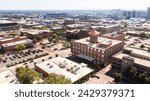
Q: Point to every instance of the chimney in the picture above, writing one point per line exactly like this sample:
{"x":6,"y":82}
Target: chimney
{"x":93,"y":36}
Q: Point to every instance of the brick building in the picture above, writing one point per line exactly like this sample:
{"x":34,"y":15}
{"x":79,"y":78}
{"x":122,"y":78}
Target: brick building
{"x":9,"y":43}
{"x":132,"y":57}
{"x":98,"y":50}
{"x":36,"y":33}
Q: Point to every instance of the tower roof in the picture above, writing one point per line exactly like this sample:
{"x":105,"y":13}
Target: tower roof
{"x":93,"y":32}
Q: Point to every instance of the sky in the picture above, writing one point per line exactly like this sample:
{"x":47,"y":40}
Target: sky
{"x":74,"y":4}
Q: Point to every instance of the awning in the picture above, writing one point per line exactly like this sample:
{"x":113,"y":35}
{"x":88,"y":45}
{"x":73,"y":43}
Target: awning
{"x":85,"y":57}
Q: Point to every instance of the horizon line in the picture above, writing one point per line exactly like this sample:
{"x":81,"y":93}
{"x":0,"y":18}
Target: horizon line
{"x":69,"y":9}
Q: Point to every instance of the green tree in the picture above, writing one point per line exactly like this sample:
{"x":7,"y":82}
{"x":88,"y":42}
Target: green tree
{"x":117,"y":76}
{"x":27,"y":76}
{"x":72,"y":35}
{"x":55,"y":41}
{"x":147,"y":80}
{"x":142,"y":77}
{"x":133,"y":72}
{"x":65,"y":45}
{"x":19,"y":47}
{"x":59,"y":38}
{"x":57,"y":79}
{"x":143,"y":35}
{"x":54,"y":36}
{"x":50,"y":39}
{"x":15,"y":33}
{"x":44,"y":28}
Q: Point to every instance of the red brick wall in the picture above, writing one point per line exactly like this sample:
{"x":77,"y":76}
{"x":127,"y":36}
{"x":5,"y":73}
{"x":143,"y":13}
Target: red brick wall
{"x":13,"y":40}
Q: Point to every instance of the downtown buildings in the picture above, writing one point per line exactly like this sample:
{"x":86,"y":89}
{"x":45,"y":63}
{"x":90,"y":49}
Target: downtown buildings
{"x":148,"y":13}
{"x":8,"y":44}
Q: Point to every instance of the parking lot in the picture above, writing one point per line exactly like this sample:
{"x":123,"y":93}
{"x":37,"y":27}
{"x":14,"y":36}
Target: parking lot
{"x":11,"y":59}
{"x":29,"y":64}
{"x":54,"y":49}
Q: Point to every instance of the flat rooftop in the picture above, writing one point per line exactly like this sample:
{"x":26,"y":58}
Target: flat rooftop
{"x":137,"y":32}
{"x":6,"y":39}
{"x":6,"y":22}
{"x":139,"y":61}
{"x":106,"y":26}
{"x":101,"y":40}
{"x":35,"y":32}
{"x":7,"y":77}
{"x":65,"y":67}
{"x":25,"y":41}
{"x":112,"y":35}
{"x":139,"y":51}
{"x":11,"y":38}
{"x":75,"y":25}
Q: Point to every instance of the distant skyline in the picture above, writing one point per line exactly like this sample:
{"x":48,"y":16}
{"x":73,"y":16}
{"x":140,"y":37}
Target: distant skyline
{"x":74,"y":4}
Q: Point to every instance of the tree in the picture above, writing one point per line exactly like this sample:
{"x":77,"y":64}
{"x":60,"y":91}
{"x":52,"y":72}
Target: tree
{"x":143,"y":35}
{"x":39,"y":38}
{"x":142,"y":46}
{"x":35,"y":40}
{"x":133,"y":72}
{"x":147,"y":80}
{"x":50,"y":39}
{"x":72,"y":35}
{"x":54,"y":36}
{"x":117,"y":77}
{"x":65,"y":45}
{"x":55,"y":41}
{"x":64,"y":38}
{"x":59,"y":38}
{"x":56,"y":79}
{"x":15,"y":33}
{"x":142,"y":77}
{"x":44,"y":28}
{"x":19,"y":47}
{"x":27,"y":76}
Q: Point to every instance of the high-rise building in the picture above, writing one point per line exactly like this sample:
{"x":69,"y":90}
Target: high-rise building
{"x":134,"y":14}
{"x":148,"y":13}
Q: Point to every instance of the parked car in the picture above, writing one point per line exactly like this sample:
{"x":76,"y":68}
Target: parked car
{"x":55,"y":49}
